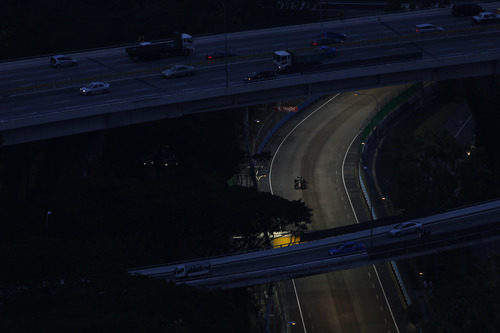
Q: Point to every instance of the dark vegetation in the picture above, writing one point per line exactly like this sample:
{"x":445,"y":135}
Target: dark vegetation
{"x":430,"y":168}
{"x":109,"y":212}
{"x":33,"y":27}
{"x":114,"y":302}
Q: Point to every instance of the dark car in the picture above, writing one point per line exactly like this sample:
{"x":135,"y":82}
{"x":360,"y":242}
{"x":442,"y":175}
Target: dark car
{"x":466,"y":9}
{"x":330,"y":37}
{"x":300,"y":183}
{"x":329,"y":51}
{"x":347,"y":248}
{"x":94,"y":88}
{"x":178,"y":71}
{"x":217,"y":55}
{"x":260,"y":76}
{"x":427,"y":27}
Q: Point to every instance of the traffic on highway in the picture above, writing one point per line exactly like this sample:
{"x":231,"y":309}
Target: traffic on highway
{"x":134,"y":72}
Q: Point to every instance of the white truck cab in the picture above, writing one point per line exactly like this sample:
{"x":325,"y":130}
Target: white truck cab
{"x":187,"y":43}
{"x":282,"y":60}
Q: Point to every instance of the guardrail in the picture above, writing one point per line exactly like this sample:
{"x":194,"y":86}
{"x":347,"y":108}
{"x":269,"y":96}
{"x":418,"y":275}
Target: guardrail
{"x":395,"y":250}
{"x":403,"y":249}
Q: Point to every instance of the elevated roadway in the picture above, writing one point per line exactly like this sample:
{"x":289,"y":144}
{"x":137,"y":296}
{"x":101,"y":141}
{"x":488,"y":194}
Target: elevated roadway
{"x":453,"y":229}
{"x":38,"y":102}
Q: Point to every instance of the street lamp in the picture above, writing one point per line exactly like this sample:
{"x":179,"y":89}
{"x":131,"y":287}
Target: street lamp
{"x":47,"y":223}
{"x":377,"y":108}
{"x":225,"y":43}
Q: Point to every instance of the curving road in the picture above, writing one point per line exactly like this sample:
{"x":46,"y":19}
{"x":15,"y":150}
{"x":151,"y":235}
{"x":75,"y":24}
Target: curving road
{"x":346,"y":301}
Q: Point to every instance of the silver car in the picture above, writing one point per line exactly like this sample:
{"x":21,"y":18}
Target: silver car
{"x":178,"y":71}
{"x":426,"y":27}
{"x":95,"y":88}
{"x":406,"y":228}
{"x":61,"y":60}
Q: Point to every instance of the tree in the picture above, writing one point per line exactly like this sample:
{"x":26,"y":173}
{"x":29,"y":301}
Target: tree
{"x":483,"y":97}
{"x":259,"y":214}
{"x":118,"y":302}
{"x":427,"y":172}
{"x":467,"y":302}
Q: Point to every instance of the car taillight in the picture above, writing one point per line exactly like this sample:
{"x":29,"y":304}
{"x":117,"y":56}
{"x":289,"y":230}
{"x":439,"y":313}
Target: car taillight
{"x":209,"y":57}
{"x":315,"y":44}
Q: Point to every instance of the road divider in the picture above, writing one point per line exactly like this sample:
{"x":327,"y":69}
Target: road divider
{"x":206,"y":63}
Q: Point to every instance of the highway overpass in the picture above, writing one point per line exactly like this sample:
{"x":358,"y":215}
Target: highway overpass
{"x":467,"y":226}
{"x":38,"y":102}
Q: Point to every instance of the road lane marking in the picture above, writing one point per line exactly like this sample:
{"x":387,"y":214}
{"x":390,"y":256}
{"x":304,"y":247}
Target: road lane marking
{"x":271,"y":186}
{"x":298,"y":304}
{"x":357,"y":221}
{"x":289,"y":133}
{"x":463,"y":126}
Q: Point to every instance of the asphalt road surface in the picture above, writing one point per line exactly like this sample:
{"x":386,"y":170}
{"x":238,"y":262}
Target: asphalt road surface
{"x":315,"y":147}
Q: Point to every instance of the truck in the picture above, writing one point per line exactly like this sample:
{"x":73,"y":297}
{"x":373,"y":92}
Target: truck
{"x":316,"y":60}
{"x":287,"y":61}
{"x":181,"y":45}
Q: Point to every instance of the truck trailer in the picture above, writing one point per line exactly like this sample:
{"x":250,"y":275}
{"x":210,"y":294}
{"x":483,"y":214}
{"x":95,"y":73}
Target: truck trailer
{"x":287,"y":61}
{"x":317,"y":60}
{"x":181,"y":45}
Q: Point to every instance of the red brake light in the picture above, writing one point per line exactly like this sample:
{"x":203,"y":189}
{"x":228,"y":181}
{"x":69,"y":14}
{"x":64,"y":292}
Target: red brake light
{"x":209,"y":57}
{"x":315,"y":44}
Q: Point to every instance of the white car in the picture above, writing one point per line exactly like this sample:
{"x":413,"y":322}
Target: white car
{"x":406,"y":228}
{"x":486,"y":17}
{"x":61,"y":60}
{"x":95,"y":88}
{"x":426,"y":27}
{"x":178,"y":71}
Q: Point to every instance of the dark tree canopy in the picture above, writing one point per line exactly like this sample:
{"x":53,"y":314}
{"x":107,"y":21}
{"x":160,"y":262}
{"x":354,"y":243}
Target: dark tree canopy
{"x":110,"y":212}
{"x":34,"y":27}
